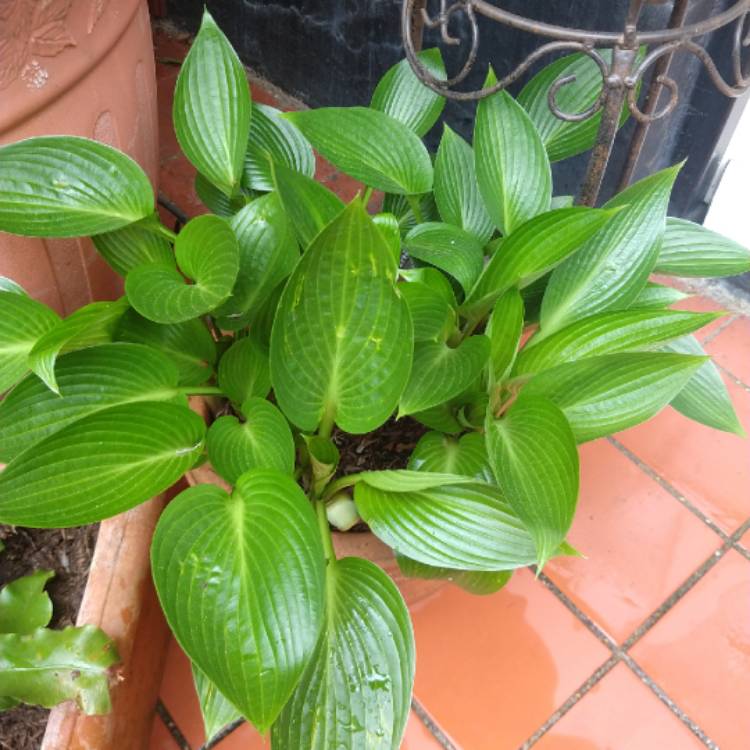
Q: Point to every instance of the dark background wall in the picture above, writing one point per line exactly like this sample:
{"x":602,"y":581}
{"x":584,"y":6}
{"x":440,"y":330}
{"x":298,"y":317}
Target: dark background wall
{"x":332,"y":52}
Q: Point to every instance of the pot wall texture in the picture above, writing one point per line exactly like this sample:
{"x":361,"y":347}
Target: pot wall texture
{"x":75,"y":67}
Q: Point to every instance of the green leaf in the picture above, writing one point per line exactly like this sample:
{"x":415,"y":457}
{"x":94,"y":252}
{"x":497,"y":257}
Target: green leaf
{"x":241,"y":581}
{"x":189,"y":344}
{"x":458,"y":526}
{"x":440,"y":453}
{"x":441,"y":418}
{"x":342,"y":338}
{"x":389,"y":228}
{"x":244,"y":371}
{"x":23,"y":321}
{"x":215,"y":200}
{"x":309,"y":205}
{"x":404,"y":97}
{"x":63,"y":186}
{"x":439,"y":372}
{"x":657,"y":295}
{"x":48,"y":667}
{"x":268,"y":253}
{"x":262,"y":440}
{"x":369,"y":146}
{"x":512,"y":167}
{"x":212,"y":108}
{"x":90,"y":325}
{"x":274,"y":139}
{"x":562,"y":201}
{"x":612,"y":268}
{"x":89,"y":380}
{"x":607,"y":394}
{"x":480,"y":583}
{"x":206,"y":252}
{"x":407,"y":480}
{"x":504,"y":332}
{"x":449,"y":248}
{"x":132,"y":246}
{"x":101,"y":465}
{"x":532,"y":250}
{"x":431,"y":314}
{"x":400,"y":207}
{"x":216,"y":710}
{"x":356,"y":693}
{"x":705,"y":398}
{"x":688,"y":249}
{"x":24,"y":604}
{"x":606,"y":333}
{"x":533,"y":454}
{"x":456,"y":191}
{"x":563,"y":139}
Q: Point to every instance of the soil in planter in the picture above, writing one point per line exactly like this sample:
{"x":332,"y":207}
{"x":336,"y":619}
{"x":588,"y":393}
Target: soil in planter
{"x":68,"y":553}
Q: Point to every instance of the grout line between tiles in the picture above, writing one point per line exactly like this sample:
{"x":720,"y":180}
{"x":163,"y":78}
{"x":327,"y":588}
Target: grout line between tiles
{"x":739,"y":548}
{"x":669,"y":703}
{"x":733,"y":377}
{"x":222,"y":734}
{"x":720,"y":328}
{"x":171,"y":726}
{"x":432,"y":726}
{"x":673,"y":491}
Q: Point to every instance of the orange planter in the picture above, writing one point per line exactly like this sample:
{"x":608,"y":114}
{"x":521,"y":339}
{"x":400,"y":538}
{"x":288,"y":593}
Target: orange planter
{"x":84,"y":68}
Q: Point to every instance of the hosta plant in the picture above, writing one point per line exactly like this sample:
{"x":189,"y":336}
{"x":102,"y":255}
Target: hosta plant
{"x":510,"y":323}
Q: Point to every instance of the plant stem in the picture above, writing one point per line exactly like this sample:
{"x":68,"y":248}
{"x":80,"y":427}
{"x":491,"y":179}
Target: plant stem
{"x":340,"y":484}
{"x":366,"y":197}
{"x":325,"y":532}
{"x":206,"y":390}
{"x":326,"y":424}
{"x":159,"y":228}
{"x":413,"y":201}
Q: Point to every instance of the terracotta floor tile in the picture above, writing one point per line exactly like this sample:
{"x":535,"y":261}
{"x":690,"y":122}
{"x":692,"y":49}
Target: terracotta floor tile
{"x":619,"y":713}
{"x":710,"y":468}
{"x":703,"y":304}
{"x":492,"y":669}
{"x":731,"y":349}
{"x":640,"y":543}
{"x":699,"y":653}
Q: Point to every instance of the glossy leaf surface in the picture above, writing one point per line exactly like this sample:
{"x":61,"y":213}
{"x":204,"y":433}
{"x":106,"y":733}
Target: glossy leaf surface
{"x":431,"y":312}
{"x":24,"y":604}
{"x":657,"y":295}
{"x":241,"y":581}
{"x":477,"y":582}
{"x":342,"y":338}
{"x":216,"y":710}
{"x":100,"y":465}
{"x":504,"y":332}
{"x":466,"y":456}
{"x":63,"y":186}
{"x":244,"y":371}
{"x":132,"y":246}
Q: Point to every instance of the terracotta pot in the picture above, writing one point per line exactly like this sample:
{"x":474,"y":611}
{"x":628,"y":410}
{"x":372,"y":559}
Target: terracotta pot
{"x":352,"y":544}
{"x":75,"y":67}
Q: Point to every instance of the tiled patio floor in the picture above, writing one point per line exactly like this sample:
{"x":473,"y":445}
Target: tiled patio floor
{"x":643,"y":645}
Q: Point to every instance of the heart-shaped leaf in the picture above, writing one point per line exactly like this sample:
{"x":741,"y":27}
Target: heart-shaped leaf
{"x":368,"y":145}
{"x":212,"y":108}
{"x":89,"y":380}
{"x":404,"y":97}
{"x":268,"y":253}
{"x":465,"y":526}
{"x":342,"y":338}
{"x":90,"y":325}
{"x":466,"y":455}
{"x":132,"y":246}
{"x":216,"y":710}
{"x":244,"y":371}
{"x":477,"y":582}
{"x":241,"y":580}
{"x":532,"y":250}
{"x":705,"y":398}
{"x":431,"y":313}
{"x":25,"y":605}
{"x":23,"y":321}
{"x":612,"y":268}
{"x":101,"y":465}
{"x":206,"y":252}
{"x":356,"y":693}
{"x":609,"y":332}
{"x":657,"y":295}
{"x":607,"y":394}
{"x":688,"y":249}
{"x":449,"y":248}
{"x":512,"y":167}
{"x":534,"y":457}
{"x":69,"y":664}
{"x":439,"y":372}
{"x":262,"y":440}
{"x":189,"y":344}
{"x":504,"y":332}
{"x":456,"y":191}
{"x":273,"y":139}
{"x":309,"y":205}
{"x":62,"y":186}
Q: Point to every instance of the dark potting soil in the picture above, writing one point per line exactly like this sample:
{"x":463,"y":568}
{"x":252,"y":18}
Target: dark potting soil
{"x":68,"y":553}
